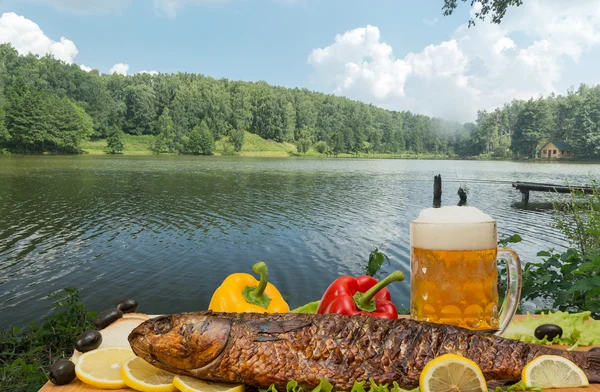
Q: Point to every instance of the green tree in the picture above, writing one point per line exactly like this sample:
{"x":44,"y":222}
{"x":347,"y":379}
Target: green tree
{"x":338,"y":144}
{"x":322,"y":148}
{"x":533,"y":125}
{"x":496,"y":9}
{"x":306,"y":113}
{"x":140,"y":114}
{"x":289,"y":123}
{"x":201,"y":140}
{"x":237,"y":138}
{"x":305,"y":140}
{"x":26,"y":117}
{"x":4,"y":135}
{"x":67,"y":124}
{"x":115,"y":143}
{"x":166,"y":139}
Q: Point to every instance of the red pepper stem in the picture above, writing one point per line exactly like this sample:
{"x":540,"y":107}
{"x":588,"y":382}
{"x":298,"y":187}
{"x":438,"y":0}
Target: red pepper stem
{"x":366,"y":298}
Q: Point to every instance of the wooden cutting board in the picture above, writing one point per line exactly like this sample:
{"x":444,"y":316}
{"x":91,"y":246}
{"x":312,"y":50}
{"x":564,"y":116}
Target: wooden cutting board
{"x":78,"y":386}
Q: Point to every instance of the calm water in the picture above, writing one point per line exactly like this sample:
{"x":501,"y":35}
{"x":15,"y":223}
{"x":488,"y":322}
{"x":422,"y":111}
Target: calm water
{"x":168,"y":230}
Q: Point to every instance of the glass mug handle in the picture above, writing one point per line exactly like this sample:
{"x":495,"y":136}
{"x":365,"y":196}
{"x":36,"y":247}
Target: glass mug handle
{"x":513,"y":287}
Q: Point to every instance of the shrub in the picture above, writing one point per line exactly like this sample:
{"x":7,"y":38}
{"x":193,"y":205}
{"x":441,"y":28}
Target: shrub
{"x":322,"y":147}
{"x":579,"y":219}
{"x":26,"y":354}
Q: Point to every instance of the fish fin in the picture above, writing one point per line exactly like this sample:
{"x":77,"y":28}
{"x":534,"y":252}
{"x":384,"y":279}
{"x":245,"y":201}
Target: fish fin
{"x":277,"y":326}
{"x":263,"y":338}
{"x":486,"y":331}
{"x":593,"y":369}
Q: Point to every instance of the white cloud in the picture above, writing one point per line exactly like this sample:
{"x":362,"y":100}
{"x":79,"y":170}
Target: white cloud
{"x":85,"y":68}
{"x":119,"y":68}
{"x":27,"y":37}
{"x":153,"y":73}
{"x":171,"y":7}
{"x":88,"y":6}
{"x":477,"y":68}
{"x":430,"y":22}
{"x":359,"y":63}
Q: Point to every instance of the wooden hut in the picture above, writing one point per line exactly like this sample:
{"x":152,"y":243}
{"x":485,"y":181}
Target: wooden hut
{"x":556,"y":149}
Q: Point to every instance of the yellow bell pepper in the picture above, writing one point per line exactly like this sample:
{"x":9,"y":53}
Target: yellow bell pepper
{"x":241,"y":293}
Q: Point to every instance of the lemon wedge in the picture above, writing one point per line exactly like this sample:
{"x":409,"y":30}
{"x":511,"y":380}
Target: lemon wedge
{"x":102,"y":367}
{"x":552,"y":371}
{"x":141,"y":376}
{"x":190,"y":384}
{"x":452,"y":373}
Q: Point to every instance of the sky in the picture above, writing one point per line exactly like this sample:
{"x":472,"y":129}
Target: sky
{"x":396,"y":54}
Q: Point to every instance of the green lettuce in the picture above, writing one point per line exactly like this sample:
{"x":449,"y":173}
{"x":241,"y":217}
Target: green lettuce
{"x":310,"y":307}
{"x":325,"y":386}
{"x":579,"y":329}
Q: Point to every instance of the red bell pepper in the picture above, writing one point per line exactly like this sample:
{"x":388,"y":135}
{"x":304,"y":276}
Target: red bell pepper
{"x":362,"y":295}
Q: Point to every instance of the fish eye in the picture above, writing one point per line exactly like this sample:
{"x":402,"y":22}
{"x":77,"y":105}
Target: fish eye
{"x":163,"y":325}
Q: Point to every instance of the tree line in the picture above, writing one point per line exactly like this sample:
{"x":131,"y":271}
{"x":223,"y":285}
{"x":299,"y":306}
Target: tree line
{"x":48,"y":105}
{"x":519,"y":128}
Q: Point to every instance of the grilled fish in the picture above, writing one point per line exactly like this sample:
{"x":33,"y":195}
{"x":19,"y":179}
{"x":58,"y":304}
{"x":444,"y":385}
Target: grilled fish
{"x":264,"y":349}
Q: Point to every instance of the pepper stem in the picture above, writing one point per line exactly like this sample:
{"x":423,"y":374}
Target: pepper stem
{"x":261,"y":269}
{"x":365,"y":300}
{"x":256,"y":294}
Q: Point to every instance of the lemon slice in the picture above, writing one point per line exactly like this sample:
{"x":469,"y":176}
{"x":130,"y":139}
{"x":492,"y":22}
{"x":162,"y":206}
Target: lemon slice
{"x":141,"y":376}
{"x":190,"y":384}
{"x":552,"y":371}
{"x":102,"y":367}
{"x":452,"y":373}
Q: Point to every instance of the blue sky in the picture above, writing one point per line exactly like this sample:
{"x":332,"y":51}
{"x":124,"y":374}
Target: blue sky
{"x":399,"y":54}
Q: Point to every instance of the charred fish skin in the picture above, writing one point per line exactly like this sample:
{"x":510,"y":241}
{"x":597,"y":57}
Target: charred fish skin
{"x":264,"y":349}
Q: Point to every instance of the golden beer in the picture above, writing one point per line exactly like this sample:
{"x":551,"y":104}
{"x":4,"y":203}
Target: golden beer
{"x":454,"y":277}
{"x":455,"y":287}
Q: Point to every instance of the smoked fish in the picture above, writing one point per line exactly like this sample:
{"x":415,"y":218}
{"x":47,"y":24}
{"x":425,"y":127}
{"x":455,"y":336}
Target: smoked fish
{"x":264,"y":349}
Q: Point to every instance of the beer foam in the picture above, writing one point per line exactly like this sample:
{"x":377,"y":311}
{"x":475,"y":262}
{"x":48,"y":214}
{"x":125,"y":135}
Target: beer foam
{"x":453,"y":228}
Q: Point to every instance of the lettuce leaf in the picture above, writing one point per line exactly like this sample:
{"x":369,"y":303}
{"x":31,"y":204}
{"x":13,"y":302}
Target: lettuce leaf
{"x":579,"y":329}
{"x":325,"y":386}
{"x":310,"y":307}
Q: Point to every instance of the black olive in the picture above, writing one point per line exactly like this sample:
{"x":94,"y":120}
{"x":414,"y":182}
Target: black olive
{"x":550,"y":331}
{"x":62,"y":372}
{"x":88,"y":341}
{"x":595,"y":349}
{"x":128,"y":305}
{"x":107,"y":317}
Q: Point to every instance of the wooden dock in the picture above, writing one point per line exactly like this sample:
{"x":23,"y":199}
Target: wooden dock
{"x":526,"y":187}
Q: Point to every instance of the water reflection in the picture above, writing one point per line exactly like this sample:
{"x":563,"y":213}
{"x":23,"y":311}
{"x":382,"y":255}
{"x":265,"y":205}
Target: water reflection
{"x":168,"y":230}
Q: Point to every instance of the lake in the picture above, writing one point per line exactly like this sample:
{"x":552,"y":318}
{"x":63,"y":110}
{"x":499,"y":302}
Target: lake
{"x":167,"y":230}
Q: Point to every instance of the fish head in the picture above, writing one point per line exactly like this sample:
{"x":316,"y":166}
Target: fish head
{"x":182,"y":341}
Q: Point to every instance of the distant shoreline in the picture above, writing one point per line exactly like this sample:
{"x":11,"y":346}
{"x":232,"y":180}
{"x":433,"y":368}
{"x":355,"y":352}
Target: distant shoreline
{"x":255,"y":146}
{"x":269,"y":154}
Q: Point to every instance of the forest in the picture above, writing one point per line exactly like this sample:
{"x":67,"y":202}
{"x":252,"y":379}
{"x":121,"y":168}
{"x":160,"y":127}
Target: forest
{"x":47,"y":105}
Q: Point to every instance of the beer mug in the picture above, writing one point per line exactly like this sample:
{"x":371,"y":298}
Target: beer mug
{"x":454,"y":276}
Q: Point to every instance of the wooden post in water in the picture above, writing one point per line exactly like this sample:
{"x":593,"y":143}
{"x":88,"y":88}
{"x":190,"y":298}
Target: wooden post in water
{"x":437,"y":191}
{"x":463,"y":196}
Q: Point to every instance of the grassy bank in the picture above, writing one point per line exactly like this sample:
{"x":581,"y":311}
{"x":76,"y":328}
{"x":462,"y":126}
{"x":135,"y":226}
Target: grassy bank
{"x":254,"y":146}
{"x":134,"y":145}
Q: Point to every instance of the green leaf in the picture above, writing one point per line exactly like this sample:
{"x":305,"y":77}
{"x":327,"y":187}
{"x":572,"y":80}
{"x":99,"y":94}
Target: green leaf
{"x":358,"y":386}
{"x":270,"y":389}
{"x":586,"y":284}
{"x":292,"y":386}
{"x":310,"y":307}
{"x":324,"y":386}
{"x":376,"y":260}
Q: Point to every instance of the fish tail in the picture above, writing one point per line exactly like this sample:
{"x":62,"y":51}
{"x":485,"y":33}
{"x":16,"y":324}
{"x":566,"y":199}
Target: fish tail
{"x":593,"y":369}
